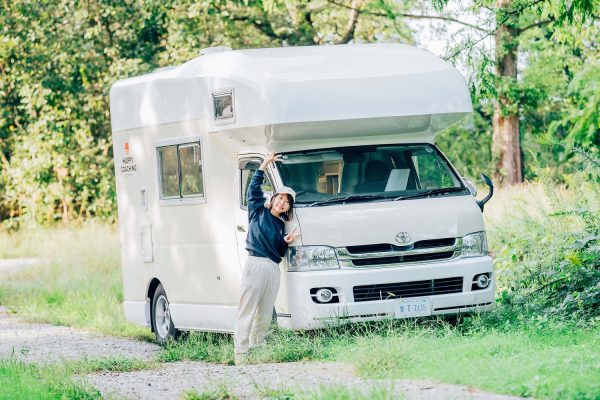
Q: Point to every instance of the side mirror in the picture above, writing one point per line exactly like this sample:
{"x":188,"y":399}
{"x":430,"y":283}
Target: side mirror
{"x":486,"y":179}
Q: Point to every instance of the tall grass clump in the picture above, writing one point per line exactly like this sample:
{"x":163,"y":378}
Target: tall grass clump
{"x":77,"y":281}
{"x":545,"y":238}
{"x":22,"y":381}
{"x":554,"y":364}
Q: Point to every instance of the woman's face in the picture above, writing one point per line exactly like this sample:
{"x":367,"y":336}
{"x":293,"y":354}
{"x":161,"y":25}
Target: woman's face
{"x":280,"y":203}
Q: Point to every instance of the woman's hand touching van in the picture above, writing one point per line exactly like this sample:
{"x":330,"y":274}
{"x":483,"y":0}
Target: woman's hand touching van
{"x":290,"y":237}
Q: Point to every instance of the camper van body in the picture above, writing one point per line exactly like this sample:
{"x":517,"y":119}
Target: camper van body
{"x":187,"y":139}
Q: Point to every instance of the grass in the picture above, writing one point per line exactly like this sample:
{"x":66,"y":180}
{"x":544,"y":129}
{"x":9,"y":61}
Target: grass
{"x":110,"y":364}
{"x":506,"y":351}
{"x":19,"y":380}
{"x":78,"y":282}
{"x":551,"y":359}
{"x":283,"y":346}
{"x":334,"y":392}
{"x":543,"y":364}
{"x":220,"y":393}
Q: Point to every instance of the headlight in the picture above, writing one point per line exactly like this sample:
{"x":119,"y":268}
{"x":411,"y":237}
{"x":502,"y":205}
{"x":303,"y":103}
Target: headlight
{"x":311,"y":258}
{"x":474,"y":245}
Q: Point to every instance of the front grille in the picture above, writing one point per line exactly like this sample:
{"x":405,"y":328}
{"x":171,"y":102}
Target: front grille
{"x":389,"y":291}
{"x":383,"y":247}
{"x":422,"y":244}
{"x":382,"y":255}
{"x":370,"y":248}
{"x":402,"y":259}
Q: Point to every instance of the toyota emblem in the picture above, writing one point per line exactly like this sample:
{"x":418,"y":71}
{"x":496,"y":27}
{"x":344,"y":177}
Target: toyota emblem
{"x":403,"y":237}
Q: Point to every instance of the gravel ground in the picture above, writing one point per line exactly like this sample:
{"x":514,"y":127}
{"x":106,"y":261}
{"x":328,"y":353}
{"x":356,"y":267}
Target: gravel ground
{"x":42,"y":343}
{"x":255,"y":382}
{"x":48,"y":343}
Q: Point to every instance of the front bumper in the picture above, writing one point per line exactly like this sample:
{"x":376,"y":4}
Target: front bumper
{"x":304,"y":313}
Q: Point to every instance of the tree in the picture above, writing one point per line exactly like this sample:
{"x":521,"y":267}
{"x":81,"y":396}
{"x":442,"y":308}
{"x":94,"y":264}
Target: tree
{"x":515,"y":23}
{"x":59,"y":58}
{"x":57,"y":62}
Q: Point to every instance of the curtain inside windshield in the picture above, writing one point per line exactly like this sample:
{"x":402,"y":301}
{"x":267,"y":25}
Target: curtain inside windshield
{"x":383,"y":170}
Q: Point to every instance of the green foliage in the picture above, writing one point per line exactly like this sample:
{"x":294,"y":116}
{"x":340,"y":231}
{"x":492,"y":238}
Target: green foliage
{"x":555,"y":89}
{"x":21,"y":381}
{"x":548,"y":258}
{"x":200,"y":346}
{"x":526,"y":362}
{"x":59,"y":58}
{"x":468,"y":146}
{"x":110,"y":364}
{"x":333,"y":392}
{"x":220,"y":393}
{"x":580,"y":125}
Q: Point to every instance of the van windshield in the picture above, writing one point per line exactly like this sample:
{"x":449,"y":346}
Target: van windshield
{"x":368,"y":173}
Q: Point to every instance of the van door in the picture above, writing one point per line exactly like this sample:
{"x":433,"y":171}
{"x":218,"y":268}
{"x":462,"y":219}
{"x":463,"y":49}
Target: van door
{"x":247,"y":166}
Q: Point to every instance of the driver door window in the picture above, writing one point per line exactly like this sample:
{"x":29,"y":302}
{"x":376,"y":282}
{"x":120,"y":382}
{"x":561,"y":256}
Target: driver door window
{"x":247,"y":170}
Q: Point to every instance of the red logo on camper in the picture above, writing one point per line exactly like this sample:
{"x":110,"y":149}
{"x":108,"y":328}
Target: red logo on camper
{"x":127,"y":148}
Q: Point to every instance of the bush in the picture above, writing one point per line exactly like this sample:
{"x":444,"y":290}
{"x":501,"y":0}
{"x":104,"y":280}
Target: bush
{"x":547,"y":250}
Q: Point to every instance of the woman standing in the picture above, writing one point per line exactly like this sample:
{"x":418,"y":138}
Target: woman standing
{"x":266,"y":244}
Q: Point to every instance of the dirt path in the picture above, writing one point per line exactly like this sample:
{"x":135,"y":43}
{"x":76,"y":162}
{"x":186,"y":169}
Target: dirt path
{"x":258,"y":381}
{"x":42,"y":343}
{"x":17,"y":264}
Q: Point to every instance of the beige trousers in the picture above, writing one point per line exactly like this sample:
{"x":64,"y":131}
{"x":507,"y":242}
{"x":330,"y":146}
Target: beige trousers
{"x":260,"y":283}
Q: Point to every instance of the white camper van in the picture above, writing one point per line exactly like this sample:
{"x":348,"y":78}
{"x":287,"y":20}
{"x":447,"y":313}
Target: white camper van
{"x":389,"y":229}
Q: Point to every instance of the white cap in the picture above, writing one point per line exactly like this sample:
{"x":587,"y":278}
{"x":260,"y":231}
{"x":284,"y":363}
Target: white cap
{"x":288,"y":190}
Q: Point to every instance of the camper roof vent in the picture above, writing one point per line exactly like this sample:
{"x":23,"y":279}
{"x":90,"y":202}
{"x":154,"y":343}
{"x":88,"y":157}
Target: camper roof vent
{"x":215,"y":49}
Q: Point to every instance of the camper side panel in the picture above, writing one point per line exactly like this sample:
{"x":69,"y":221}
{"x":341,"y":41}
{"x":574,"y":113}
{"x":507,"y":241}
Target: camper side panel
{"x":184,"y":237}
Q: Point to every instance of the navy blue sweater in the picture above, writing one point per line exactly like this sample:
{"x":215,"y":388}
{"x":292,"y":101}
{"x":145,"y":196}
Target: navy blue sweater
{"x":266,"y":231}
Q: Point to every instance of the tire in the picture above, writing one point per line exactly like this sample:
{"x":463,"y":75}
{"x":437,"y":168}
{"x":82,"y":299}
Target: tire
{"x":162,"y":324}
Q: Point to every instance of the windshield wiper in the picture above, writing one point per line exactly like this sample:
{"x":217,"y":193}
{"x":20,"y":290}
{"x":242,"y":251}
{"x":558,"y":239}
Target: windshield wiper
{"x":354,"y":197}
{"x":428,"y":193}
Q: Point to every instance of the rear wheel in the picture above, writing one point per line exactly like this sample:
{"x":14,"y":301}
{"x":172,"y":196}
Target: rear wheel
{"x":162,"y":324}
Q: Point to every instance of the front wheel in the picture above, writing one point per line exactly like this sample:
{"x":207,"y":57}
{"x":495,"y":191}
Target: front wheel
{"x":162,"y":324}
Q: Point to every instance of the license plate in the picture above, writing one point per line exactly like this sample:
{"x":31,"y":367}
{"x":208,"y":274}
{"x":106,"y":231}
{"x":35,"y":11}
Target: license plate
{"x":417,"y":307}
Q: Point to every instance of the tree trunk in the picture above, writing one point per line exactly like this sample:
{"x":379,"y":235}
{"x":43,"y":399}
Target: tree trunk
{"x":506,"y":146}
{"x":352,"y":21}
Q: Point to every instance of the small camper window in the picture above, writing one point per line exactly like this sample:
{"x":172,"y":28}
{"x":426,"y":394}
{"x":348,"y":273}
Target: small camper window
{"x":180,"y":171}
{"x":169,"y":172}
{"x":223,"y":105}
{"x":191,"y":170}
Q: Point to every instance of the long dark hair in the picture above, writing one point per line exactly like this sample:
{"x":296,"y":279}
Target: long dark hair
{"x":289,"y":214}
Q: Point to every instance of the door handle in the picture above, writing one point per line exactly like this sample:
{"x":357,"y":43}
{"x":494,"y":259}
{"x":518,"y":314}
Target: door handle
{"x":241,"y":228}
